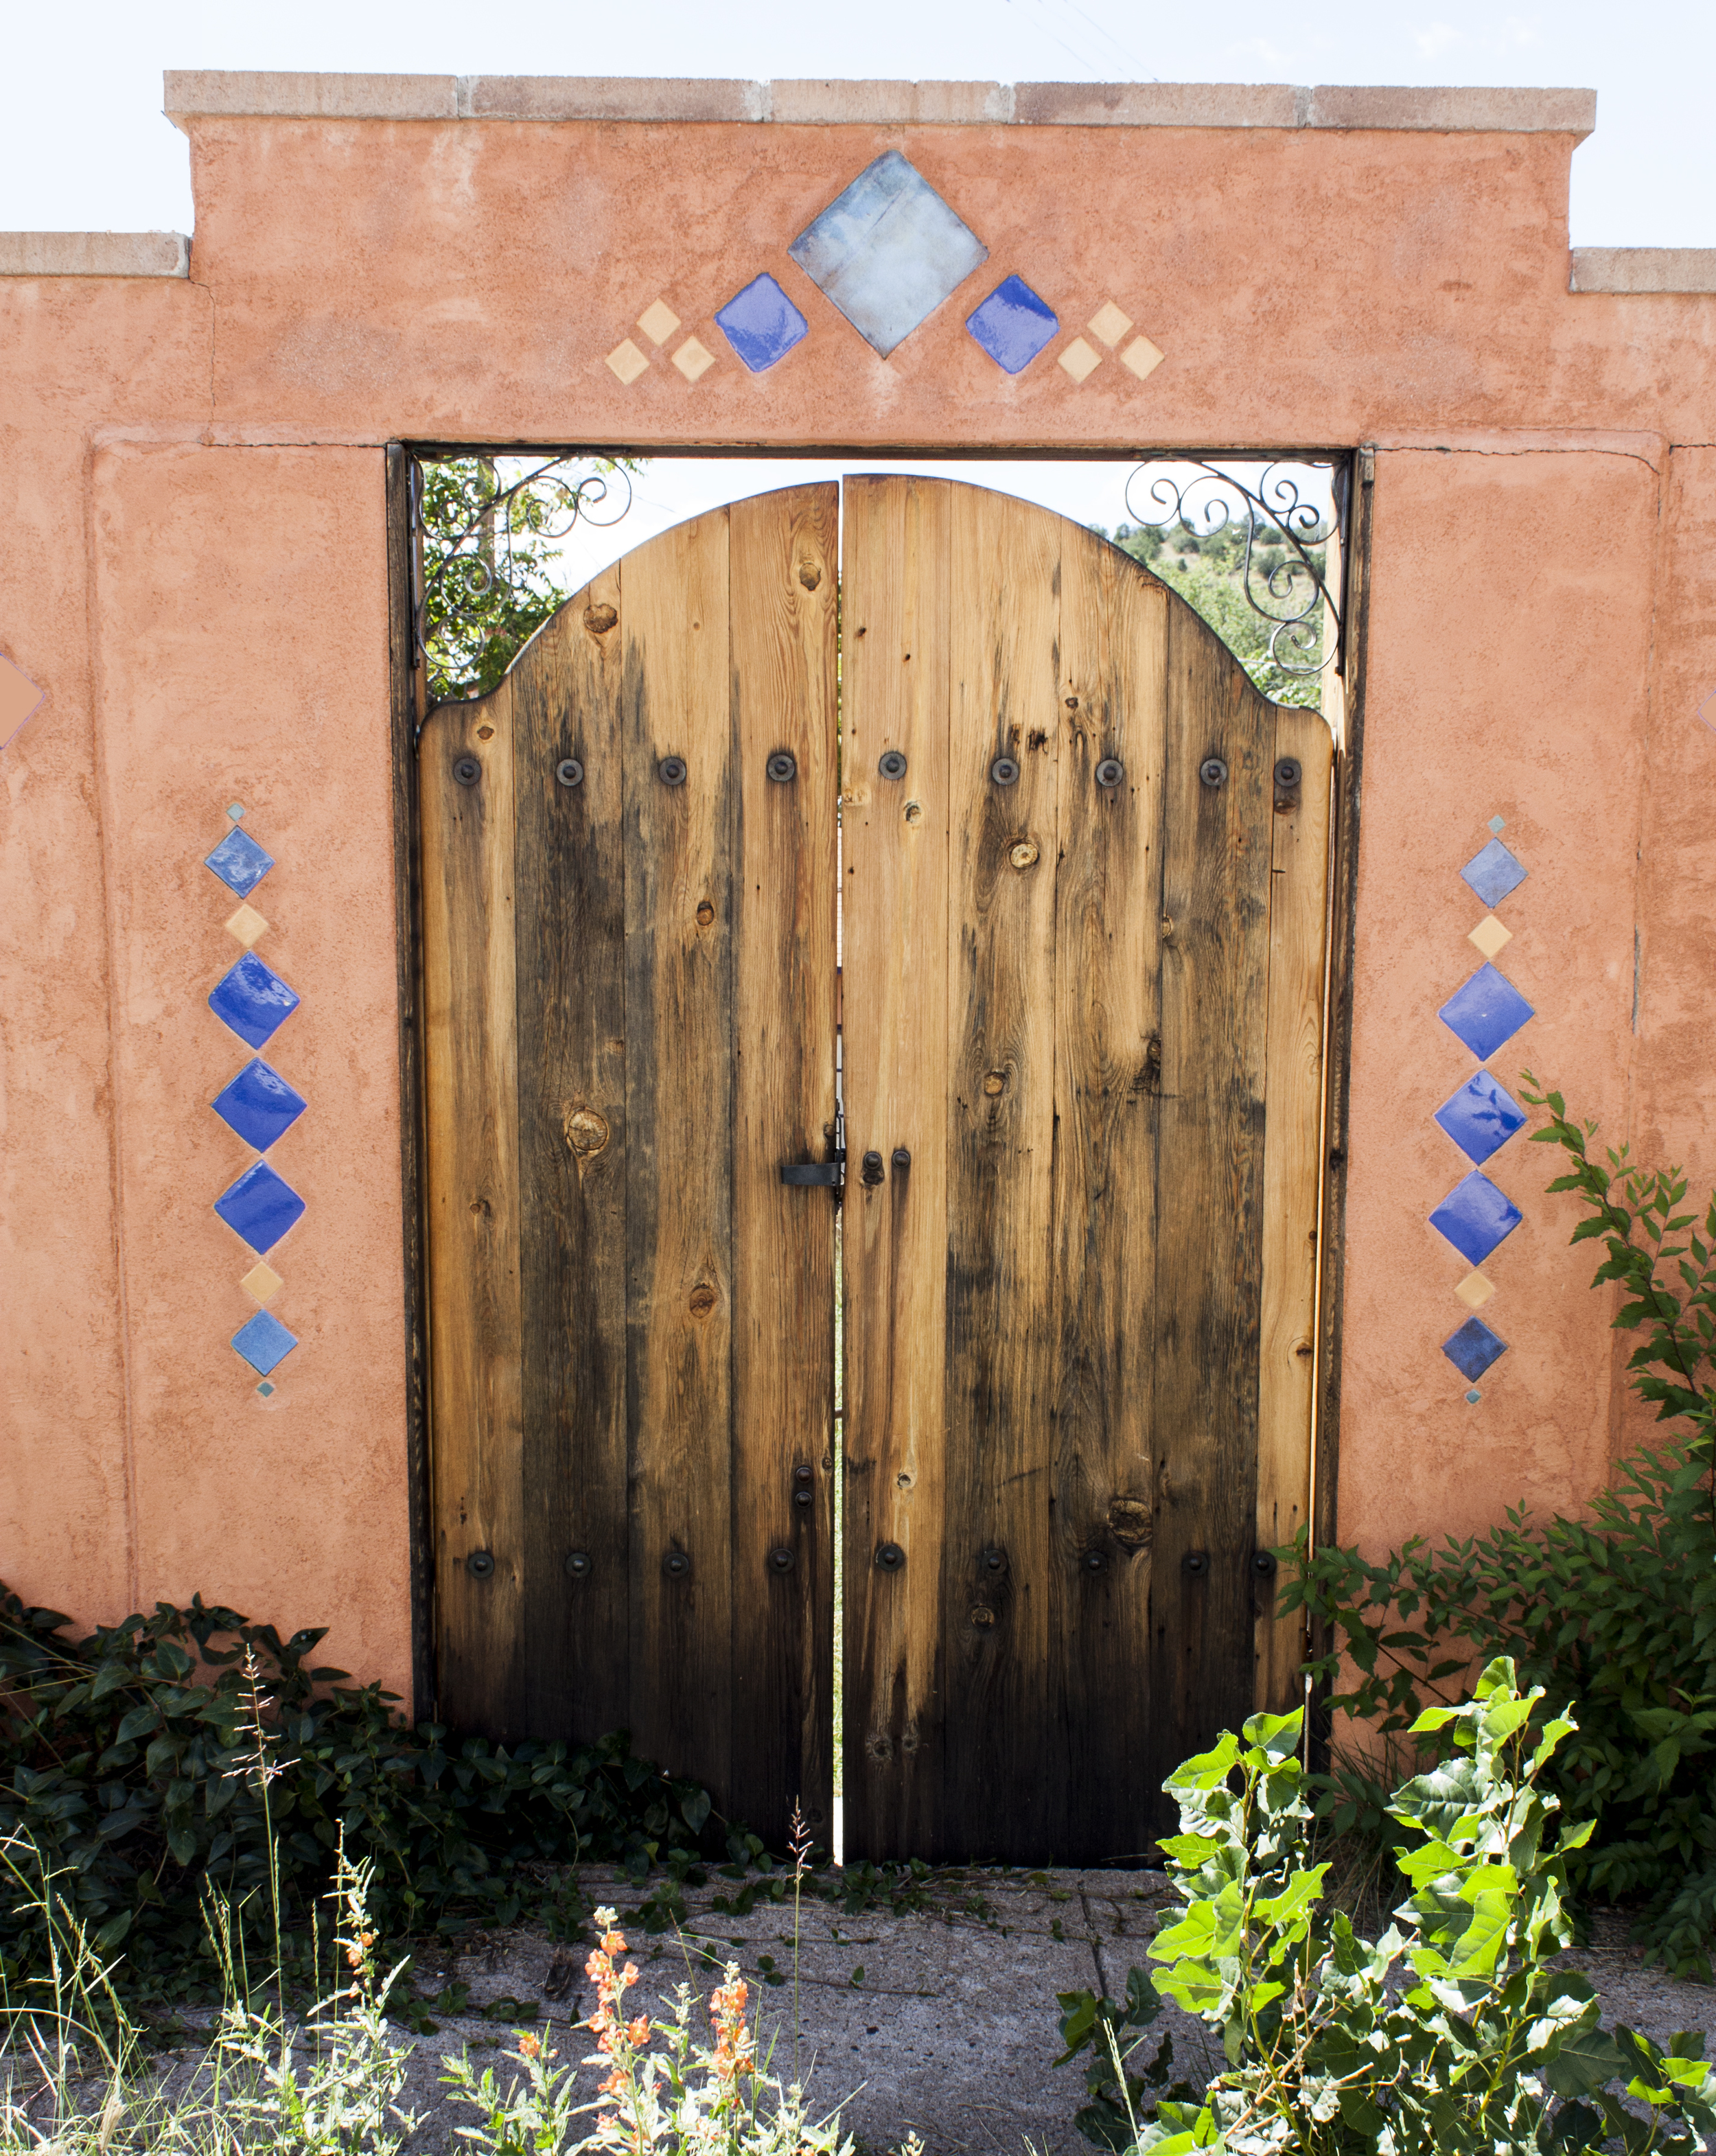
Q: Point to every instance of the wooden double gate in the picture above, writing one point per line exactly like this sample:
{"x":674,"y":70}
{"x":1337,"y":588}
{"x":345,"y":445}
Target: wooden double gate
{"x":974,"y":793}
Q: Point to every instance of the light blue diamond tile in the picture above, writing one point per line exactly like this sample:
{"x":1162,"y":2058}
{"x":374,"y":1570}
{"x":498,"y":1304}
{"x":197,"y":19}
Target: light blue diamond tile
{"x":239,"y":862}
{"x":235,"y":809}
{"x":887,"y":251}
{"x":1493,"y":873}
{"x":1475,"y":1216}
{"x":264,"y":1343}
{"x":1480,"y":1117}
{"x":1485,"y":1012}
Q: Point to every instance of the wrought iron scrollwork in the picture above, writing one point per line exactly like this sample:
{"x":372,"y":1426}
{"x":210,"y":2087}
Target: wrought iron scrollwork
{"x":1289,"y":594}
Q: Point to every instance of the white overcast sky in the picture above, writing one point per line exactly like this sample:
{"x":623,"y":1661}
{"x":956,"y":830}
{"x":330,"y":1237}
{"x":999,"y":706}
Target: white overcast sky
{"x":84,"y":147}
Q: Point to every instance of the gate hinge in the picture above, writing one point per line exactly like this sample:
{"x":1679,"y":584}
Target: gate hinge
{"x":828,"y":1175}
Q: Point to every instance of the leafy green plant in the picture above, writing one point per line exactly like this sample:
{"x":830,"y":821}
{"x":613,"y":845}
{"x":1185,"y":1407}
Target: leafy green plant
{"x":1617,"y":1611}
{"x":1455,"y":2032}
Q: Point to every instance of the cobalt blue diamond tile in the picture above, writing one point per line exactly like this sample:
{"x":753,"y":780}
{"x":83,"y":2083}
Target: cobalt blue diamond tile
{"x":264,"y":1343}
{"x":1485,"y":1012}
{"x":260,"y":1207}
{"x":239,"y":862}
{"x":1493,"y":873}
{"x":761,"y":323}
{"x":1012,"y":325}
{"x":1472,"y":1349}
{"x":1474,"y":1216}
{"x":259,"y":1105}
{"x":888,"y":251}
{"x":1480,"y":1117}
{"x":253,"y":1000}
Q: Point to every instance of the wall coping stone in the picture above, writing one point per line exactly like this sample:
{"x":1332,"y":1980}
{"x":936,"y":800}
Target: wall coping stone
{"x":1643,"y":269}
{"x":95,"y":254}
{"x":214,"y":93}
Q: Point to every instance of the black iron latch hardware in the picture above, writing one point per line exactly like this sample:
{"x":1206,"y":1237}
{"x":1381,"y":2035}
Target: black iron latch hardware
{"x":828,"y":1175}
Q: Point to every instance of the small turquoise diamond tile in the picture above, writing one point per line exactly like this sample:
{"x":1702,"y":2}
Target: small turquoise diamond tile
{"x":259,"y":1105}
{"x":264,"y":1343}
{"x":239,"y":862}
{"x":1012,"y":325}
{"x":1472,"y":1398}
{"x":888,"y":251}
{"x":235,"y":809}
{"x":260,"y":1207}
{"x":1472,"y":1349}
{"x":1493,"y":873}
{"x":761,"y":324}
{"x":1499,"y":822}
{"x":1485,"y":1012}
{"x":1475,"y":1216}
{"x":1480,"y":1117}
{"x":253,"y":1000}
{"x":266,"y":1389}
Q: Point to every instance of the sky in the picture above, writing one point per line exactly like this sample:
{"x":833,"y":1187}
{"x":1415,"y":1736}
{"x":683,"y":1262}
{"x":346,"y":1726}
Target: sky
{"x":84,"y":147}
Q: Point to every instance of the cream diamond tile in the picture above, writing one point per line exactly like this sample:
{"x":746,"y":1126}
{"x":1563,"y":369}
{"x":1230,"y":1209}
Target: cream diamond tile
{"x":1141,"y":357}
{"x":658,"y":322}
{"x":1490,"y":936}
{"x":692,"y":360}
{"x":247,"y":924}
{"x":262,"y":1283}
{"x":19,"y":698}
{"x":1109,"y":324}
{"x":627,"y":361}
{"x":1475,"y":1290}
{"x":1080,"y":361}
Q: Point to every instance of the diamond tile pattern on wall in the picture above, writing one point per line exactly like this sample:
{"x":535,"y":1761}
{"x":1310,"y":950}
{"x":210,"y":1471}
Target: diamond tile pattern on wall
{"x":1081,"y":360}
{"x":1485,"y":1012}
{"x":253,"y":1000}
{"x":1480,"y":1117}
{"x":1475,"y":1216}
{"x":1473,"y":1348}
{"x":263,"y":1342}
{"x":887,"y":251}
{"x":1012,"y":325}
{"x":259,"y":1105}
{"x":262,"y":1283}
{"x":20,"y":699}
{"x":1493,"y":873}
{"x":239,"y":863}
{"x":1490,"y":937}
{"x":761,"y":324}
{"x":260,"y":1207}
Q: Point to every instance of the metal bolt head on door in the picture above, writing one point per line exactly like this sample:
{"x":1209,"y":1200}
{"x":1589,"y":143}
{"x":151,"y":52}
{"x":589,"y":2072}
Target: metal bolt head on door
{"x":1110,"y":771}
{"x":481,"y":1564}
{"x":1289,"y":773}
{"x":676,"y":1565}
{"x":889,"y":1557}
{"x":1004,"y":771}
{"x":569,"y":771}
{"x":891,"y":763}
{"x":672,"y":771}
{"x":781,"y":1558}
{"x":1213,"y":770}
{"x":783,"y":767}
{"x":467,"y":770}
{"x":579,"y":1564}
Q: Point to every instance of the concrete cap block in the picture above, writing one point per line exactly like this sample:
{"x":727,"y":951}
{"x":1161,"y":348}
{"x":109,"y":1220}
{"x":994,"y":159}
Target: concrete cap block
{"x":95,"y":254}
{"x":1456,"y":111}
{"x":832,"y":104}
{"x":209,"y":93}
{"x":1643,"y":269}
{"x":609,"y":97}
{"x":1157,"y":105}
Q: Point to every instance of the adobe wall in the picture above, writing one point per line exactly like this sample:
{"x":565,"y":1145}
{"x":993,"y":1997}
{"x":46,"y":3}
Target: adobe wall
{"x":192,"y":570}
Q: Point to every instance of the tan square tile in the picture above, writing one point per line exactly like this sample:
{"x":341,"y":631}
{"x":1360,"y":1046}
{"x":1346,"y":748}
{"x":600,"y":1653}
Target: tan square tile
{"x":247,"y":924}
{"x":627,"y":361}
{"x":1109,"y":324}
{"x":658,"y":322}
{"x":692,"y":360}
{"x":19,"y":697}
{"x":262,"y":1282}
{"x":1141,"y":356}
{"x":1079,"y":360}
{"x":1475,"y":1290}
{"x":1490,"y":936}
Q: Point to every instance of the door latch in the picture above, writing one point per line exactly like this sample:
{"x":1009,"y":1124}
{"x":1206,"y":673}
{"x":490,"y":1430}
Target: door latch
{"x":828,"y":1174}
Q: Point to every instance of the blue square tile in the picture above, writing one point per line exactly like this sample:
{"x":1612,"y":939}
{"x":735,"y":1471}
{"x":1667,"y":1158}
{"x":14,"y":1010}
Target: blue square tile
{"x":253,"y":1000}
{"x":1485,"y":1012}
{"x":1474,"y":1216}
{"x":259,"y":1105}
{"x":1480,"y":1117}
{"x":1012,"y":325}
{"x":239,"y":862}
{"x":1493,"y":873}
{"x":887,"y":251}
{"x":761,"y":323}
{"x":1472,"y":1349}
{"x":264,"y":1343}
{"x":260,"y":1207}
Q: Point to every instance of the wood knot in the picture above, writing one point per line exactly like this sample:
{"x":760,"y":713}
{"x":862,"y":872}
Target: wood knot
{"x":586,"y":1130}
{"x":485,"y":733}
{"x":982,"y":1616}
{"x":914,"y":812}
{"x":1130,"y":1523}
{"x":810,"y":576}
{"x":994,"y":1082}
{"x":1024,"y":854}
{"x":706,"y":914}
{"x":702,"y":1299}
{"x":598,"y":619}
{"x":1073,"y":703}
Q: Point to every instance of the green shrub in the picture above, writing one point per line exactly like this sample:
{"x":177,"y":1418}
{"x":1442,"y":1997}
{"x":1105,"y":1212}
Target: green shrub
{"x":1617,"y":1612}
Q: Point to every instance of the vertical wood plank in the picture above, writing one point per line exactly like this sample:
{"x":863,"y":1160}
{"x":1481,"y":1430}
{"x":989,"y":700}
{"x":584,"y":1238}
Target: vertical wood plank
{"x":680,"y":913}
{"x":1292,"y":1180}
{"x":896,"y":585}
{"x":1107,"y":1084}
{"x":999,"y":1580}
{"x":572,"y":1142}
{"x":784,"y":599}
{"x":472,"y":1147}
{"x":1210,"y":1191}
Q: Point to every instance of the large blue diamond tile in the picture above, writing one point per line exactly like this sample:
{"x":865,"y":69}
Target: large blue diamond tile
{"x":1480,"y":1117}
{"x":1485,"y":1012}
{"x":253,"y":1000}
{"x":1493,"y":873}
{"x":259,"y":1105}
{"x":239,"y":862}
{"x":260,"y":1207}
{"x":263,"y":1342}
{"x":887,"y":251}
{"x":1012,"y":325}
{"x":1475,"y":1216}
{"x":761,"y":323}
{"x":1473,"y":1349}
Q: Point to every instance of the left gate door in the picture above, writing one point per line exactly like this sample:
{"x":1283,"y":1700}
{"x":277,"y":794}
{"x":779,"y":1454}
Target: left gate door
{"x":628,"y":884}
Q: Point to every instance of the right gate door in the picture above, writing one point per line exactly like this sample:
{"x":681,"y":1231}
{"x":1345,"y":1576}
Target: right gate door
{"x":1083,"y":886}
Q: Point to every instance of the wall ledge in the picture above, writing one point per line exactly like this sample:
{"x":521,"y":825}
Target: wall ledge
{"x":95,"y":254}
{"x":211,"y":94}
{"x":1643,"y":269}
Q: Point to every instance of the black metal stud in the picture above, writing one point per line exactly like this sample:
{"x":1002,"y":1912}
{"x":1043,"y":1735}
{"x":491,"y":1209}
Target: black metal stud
{"x":1110,"y":771}
{"x":676,"y":1565}
{"x":889,"y":1557}
{"x":1288,"y":773}
{"x":1263,"y":1565}
{"x":1213,"y":770}
{"x":481,"y":1565}
{"x":891,"y":763}
{"x":467,"y":770}
{"x":872,"y":1170}
{"x":569,"y":771}
{"x":579,"y":1564}
{"x":1004,"y":771}
{"x":994,"y":1559}
{"x":781,"y":767}
{"x":1094,"y":1560}
{"x":1194,"y":1562}
{"x":781,"y":1558}
{"x":804,"y":1498}
{"x":672,"y":771}
{"x":902,"y":1158}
